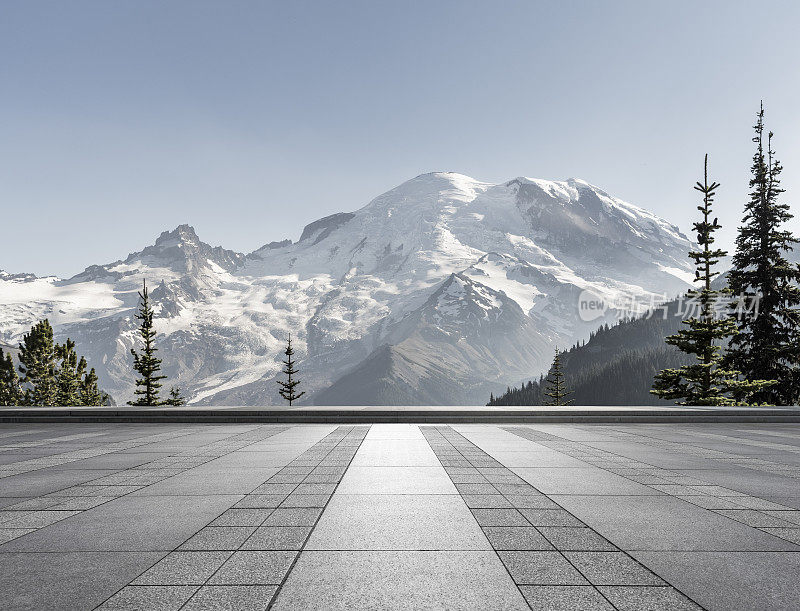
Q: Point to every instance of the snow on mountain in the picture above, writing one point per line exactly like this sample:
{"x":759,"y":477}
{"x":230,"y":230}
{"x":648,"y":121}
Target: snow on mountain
{"x":441,"y":290}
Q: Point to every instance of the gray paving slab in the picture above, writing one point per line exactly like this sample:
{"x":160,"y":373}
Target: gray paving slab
{"x":128,"y":524}
{"x":66,"y":580}
{"x":721,"y":581}
{"x":183,"y":568}
{"x":152,"y":598}
{"x":396,"y":480}
{"x":540,"y":568}
{"x":397,"y":522}
{"x":254,"y":568}
{"x":45,"y":481}
{"x":226,"y":598}
{"x":666,"y":523}
{"x":627,"y":598}
{"x":582,"y":480}
{"x":399,"y":580}
{"x":202,"y":481}
{"x":565,"y":598}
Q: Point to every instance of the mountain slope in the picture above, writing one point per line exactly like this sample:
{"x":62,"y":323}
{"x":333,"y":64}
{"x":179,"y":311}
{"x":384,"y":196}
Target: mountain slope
{"x":616,"y":365}
{"x":445,"y":287}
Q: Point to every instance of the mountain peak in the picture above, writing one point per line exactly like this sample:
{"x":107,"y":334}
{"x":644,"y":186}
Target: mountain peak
{"x":183,"y":234}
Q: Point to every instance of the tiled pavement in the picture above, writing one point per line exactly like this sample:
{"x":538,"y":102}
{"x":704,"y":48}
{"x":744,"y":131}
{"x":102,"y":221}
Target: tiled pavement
{"x":246,"y":516}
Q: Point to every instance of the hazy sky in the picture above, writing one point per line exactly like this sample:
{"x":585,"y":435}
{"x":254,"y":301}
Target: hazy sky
{"x":120,"y":119}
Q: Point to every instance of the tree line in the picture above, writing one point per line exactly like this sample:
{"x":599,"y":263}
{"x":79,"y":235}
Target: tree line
{"x":749,"y":355}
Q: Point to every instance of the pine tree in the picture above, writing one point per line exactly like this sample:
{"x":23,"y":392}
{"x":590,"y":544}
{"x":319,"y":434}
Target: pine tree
{"x":556,"y":386}
{"x":287,"y":388}
{"x":69,"y":374}
{"x":38,"y":366}
{"x":146,"y":364}
{"x":10,"y":391}
{"x":704,"y":382}
{"x":768,"y":343}
{"x":90,"y":394}
{"x":175,"y":397}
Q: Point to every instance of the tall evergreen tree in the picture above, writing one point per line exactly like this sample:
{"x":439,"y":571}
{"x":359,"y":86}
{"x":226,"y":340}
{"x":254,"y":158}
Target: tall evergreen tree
{"x":175,"y":397}
{"x":10,"y":391}
{"x":768,"y":343}
{"x":146,"y":364}
{"x":37,"y":360}
{"x":287,"y":388}
{"x":556,"y":388}
{"x":704,"y":382}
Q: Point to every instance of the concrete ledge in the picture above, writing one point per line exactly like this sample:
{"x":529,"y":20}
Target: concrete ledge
{"x":405,"y":414}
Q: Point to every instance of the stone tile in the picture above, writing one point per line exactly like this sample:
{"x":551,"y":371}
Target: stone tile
{"x":466,"y":489}
{"x":269,"y":488}
{"x":277,"y":538}
{"x":225,"y":538}
{"x":305,"y":500}
{"x":516,"y":538}
{"x":304,"y":488}
{"x":540,"y":568}
{"x":71,"y":580}
{"x":746,"y":581}
{"x":666,"y":523}
{"x":207,"y":481}
{"x":789,"y":534}
{"x":581,"y":480}
{"x":300,"y":516}
{"x":128,"y":524}
{"x":396,"y":581}
{"x":550,"y":517}
{"x":9,"y":534}
{"x":531,"y":501}
{"x":486,"y":501}
{"x":225,"y":598}
{"x":46,"y":481}
{"x":626,"y":598}
{"x":396,"y":480}
{"x":499,"y":517}
{"x":261,"y":500}
{"x":612,"y":568}
{"x":565,"y":598}
{"x":397,"y":522}
{"x":183,"y":568}
{"x":572,"y":538}
{"x":153,"y":598}
{"x":254,"y":568}
{"x":242,"y":517}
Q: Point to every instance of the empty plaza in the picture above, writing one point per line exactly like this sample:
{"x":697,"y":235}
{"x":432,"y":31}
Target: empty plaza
{"x":285,"y":516}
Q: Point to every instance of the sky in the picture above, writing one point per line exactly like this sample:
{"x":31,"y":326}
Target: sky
{"x":248,"y":120}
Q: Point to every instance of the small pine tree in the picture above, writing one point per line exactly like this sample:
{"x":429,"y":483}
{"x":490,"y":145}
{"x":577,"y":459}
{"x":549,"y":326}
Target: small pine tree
{"x":556,"y":386}
{"x":287,"y":388}
{"x":175,"y":399}
{"x":10,"y":391}
{"x":90,"y":393}
{"x":146,"y":364}
{"x":704,"y":382}
{"x":37,"y":364}
{"x":69,"y":374}
{"x":767,"y":345}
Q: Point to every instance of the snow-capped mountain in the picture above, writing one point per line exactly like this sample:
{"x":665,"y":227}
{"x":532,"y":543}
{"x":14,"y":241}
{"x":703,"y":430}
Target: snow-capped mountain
{"x":439,"y":291}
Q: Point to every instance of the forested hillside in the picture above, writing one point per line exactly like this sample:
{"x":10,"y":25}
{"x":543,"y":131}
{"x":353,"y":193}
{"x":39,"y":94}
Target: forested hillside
{"x":615,"y":367}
